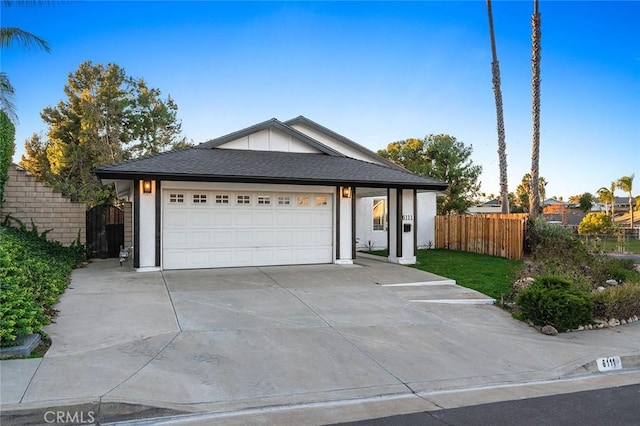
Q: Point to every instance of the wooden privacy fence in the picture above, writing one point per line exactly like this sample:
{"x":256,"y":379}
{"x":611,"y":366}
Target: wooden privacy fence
{"x":492,"y":234}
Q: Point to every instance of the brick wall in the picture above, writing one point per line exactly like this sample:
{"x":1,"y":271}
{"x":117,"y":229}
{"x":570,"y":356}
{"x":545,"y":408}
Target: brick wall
{"x":27,"y":198}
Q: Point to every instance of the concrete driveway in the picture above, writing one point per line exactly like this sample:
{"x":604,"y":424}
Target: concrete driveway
{"x":128,"y":343}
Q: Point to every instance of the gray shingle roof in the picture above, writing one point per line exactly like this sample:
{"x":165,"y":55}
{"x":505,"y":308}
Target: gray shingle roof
{"x":228,"y":165}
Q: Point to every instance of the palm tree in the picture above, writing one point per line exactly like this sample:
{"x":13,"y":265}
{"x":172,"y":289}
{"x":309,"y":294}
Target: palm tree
{"x":502,"y":147}
{"x":9,"y":36}
{"x":607,"y":196}
{"x":625,"y":183}
{"x":536,"y":36}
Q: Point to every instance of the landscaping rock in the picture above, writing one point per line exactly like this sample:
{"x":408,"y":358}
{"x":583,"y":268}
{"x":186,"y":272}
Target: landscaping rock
{"x":611,"y":282}
{"x":522,"y":283}
{"x":614,"y":322}
{"x":580,"y":328}
{"x":600,"y":288}
{"x":623,"y":321}
{"x":549,"y":330}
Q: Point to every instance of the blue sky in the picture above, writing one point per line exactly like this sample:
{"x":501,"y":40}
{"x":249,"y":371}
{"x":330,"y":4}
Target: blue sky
{"x":375,"y":72}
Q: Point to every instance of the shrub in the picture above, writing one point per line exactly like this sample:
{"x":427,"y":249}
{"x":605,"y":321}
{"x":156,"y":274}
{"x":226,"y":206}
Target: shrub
{"x":542,"y":233}
{"x":33,"y":274}
{"x":605,"y":268}
{"x":595,"y":223}
{"x":554,"y":301}
{"x":555,"y":251}
{"x":621,"y":302}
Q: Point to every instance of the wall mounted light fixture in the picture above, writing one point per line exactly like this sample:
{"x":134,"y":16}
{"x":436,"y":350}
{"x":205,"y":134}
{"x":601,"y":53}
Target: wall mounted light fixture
{"x":146,"y":186}
{"x":346,"y":192}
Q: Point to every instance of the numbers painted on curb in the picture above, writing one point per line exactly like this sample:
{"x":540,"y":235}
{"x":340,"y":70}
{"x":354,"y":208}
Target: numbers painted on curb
{"x":609,"y":364}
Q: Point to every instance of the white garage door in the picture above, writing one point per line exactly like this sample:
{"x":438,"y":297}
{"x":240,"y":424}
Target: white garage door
{"x":210,"y":229}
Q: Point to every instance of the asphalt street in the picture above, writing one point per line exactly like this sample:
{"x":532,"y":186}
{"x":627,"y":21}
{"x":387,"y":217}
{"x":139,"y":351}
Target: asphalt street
{"x":619,"y":406}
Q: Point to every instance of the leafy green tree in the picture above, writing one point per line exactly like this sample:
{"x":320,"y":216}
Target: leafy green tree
{"x":523,"y":191}
{"x":107,"y":117}
{"x":441,"y":157}
{"x":585,"y":202}
{"x":35,"y":158}
{"x":625,"y":183}
{"x":7,"y":148}
{"x":8,"y":37}
{"x":595,"y":223}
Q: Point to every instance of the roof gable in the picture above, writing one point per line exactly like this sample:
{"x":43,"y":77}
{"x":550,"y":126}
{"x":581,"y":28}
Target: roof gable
{"x":338,"y":142}
{"x":270,"y":135}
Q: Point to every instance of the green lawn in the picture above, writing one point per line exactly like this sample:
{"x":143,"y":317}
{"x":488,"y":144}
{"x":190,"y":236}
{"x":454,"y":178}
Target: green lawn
{"x":490,"y":275}
{"x":610,"y":245}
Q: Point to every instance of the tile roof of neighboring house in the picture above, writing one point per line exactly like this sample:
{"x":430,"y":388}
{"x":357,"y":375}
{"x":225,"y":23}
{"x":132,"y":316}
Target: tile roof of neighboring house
{"x":228,"y":165}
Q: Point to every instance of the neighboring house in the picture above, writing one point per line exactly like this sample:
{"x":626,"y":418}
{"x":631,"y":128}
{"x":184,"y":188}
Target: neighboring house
{"x":491,"y":206}
{"x":276,"y":193}
{"x":553,"y":202}
{"x":621,"y":204}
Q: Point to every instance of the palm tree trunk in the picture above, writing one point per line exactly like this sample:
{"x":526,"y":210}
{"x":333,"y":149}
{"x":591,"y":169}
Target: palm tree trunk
{"x":536,"y":36}
{"x":502,"y":147}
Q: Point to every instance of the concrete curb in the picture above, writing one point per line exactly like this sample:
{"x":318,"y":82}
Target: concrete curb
{"x":117,"y":412}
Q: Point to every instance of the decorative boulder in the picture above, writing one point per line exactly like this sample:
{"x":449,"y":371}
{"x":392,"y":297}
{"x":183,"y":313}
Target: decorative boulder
{"x":549,"y":330}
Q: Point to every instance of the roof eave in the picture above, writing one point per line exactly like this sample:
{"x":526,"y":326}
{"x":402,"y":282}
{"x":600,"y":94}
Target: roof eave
{"x":104,"y":174}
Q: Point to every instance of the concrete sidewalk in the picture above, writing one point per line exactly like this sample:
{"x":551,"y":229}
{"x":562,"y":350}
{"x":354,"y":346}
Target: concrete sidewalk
{"x":134,"y":345}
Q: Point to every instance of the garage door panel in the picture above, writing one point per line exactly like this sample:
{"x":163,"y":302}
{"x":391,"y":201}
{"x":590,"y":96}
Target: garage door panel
{"x":264,"y":256}
{"x":175,"y":259}
{"x":263,"y":218}
{"x":220,"y":257}
{"x":283,"y":237}
{"x":264,"y":232}
{"x":222,"y":218}
{"x":322,"y":237}
{"x":174,"y":218}
{"x":176,"y":239}
{"x":303,"y":218}
{"x":200,"y":239}
{"x":264,"y":237}
{"x":243,"y":256}
{"x":221,"y":237}
{"x":243,"y":218}
{"x":284,"y":217}
{"x":201,"y":219}
{"x":243,"y":238}
{"x":302,"y":237}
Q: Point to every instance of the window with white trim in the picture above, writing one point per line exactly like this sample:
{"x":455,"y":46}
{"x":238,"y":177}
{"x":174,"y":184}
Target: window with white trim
{"x":264,"y":200}
{"x":176,"y":198}
{"x":379,"y":214}
{"x":243,"y":199}
{"x":303,"y":201}
{"x":199,"y":198}
{"x":321,"y":200}
{"x":284,"y":200}
{"x":222,"y":199}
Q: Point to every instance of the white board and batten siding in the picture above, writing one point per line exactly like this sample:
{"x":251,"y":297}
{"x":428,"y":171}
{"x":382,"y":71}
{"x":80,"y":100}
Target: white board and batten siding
{"x":231,"y":226}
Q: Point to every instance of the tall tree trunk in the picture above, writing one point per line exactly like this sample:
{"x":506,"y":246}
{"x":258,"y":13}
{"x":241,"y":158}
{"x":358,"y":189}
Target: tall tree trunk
{"x":502,"y":147}
{"x":536,"y":35}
